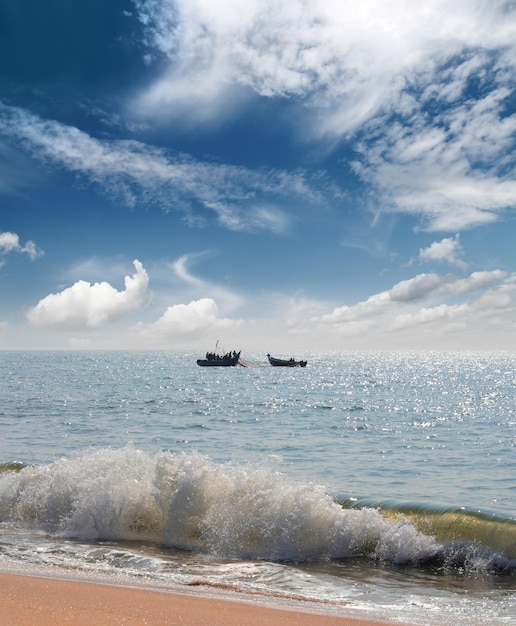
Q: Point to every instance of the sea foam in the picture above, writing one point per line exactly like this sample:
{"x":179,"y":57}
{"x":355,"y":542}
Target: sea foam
{"x":189,"y":502}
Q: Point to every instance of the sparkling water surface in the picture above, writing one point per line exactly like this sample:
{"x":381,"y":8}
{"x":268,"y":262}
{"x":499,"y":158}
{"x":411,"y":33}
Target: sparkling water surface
{"x":430,"y":437}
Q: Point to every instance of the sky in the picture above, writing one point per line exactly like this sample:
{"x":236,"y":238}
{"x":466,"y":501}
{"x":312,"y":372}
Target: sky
{"x":293,"y":177}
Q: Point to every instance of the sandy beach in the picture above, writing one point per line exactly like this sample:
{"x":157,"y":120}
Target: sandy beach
{"x":40,"y":601}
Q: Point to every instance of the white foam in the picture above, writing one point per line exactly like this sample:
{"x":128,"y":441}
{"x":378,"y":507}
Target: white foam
{"x":188,"y":501}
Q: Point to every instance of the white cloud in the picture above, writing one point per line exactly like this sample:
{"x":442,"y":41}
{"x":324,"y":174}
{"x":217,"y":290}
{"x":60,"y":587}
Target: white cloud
{"x":444,"y":251}
{"x":348,"y":59}
{"x":417,"y":313}
{"x":205,"y":315}
{"x":374,"y":305}
{"x":422,"y":91}
{"x":268,"y":217}
{"x":478,"y":312}
{"x":184,"y":322}
{"x":86,"y":306}
{"x":10,"y":242}
{"x":227,"y":299}
{"x":130,"y":171}
{"x":477,"y":280}
{"x":454,"y":169}
{"x":405,"y":292}
{"x":439,"y":314}
{"x":484,"y":315}
{"x":417,"y":288}
{"x":442,"y":70}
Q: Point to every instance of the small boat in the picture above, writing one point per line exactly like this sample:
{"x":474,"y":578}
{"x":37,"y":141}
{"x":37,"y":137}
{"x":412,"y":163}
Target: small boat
{"x":285,"y":362}
{"x":219,"y":360}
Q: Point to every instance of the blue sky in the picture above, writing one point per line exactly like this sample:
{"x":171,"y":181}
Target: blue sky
{"x":284,"y":177}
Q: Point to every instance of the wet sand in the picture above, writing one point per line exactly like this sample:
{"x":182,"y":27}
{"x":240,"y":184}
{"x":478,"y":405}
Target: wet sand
{"x":41,"y":601}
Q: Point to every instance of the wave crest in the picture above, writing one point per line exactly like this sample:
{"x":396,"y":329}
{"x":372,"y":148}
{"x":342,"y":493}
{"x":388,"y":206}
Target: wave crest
{"x":190,"y":502}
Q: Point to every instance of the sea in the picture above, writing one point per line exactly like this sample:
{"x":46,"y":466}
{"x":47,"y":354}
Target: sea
{"x":381,"y":485}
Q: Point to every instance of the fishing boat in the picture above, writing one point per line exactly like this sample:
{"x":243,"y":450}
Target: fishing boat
{"x":213,"y":359}
{"x":285,"y":362}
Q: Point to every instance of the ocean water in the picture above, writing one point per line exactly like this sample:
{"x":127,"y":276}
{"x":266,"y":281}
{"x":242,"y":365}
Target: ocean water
{"x":378,"y":484}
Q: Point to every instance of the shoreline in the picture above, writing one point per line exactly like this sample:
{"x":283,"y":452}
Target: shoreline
{"x":39,"y":599}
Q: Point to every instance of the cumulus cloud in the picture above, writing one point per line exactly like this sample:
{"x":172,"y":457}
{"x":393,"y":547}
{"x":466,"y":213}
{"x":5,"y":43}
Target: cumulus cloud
{"x":430,"y":315}
{"x":406,"y":291}
{"x":417,"y":288}
{"x":477,"y":280}
{"x":186,"y":321}
{"x":374,"y":305}
{"x":86,"y":306}
{"x":445,"y":251}
{"x":387,"y":309}
{"x":494,"y":307}
{"x":10,"y":242}
{"x":204,"y":316}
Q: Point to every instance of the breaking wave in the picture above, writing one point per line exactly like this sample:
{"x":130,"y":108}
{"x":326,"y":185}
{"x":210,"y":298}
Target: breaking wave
{"x":233,"y":511}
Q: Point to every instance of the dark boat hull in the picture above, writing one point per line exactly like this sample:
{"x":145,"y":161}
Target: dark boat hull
{"x":285,"y":362}
{"x":220,"y":361}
